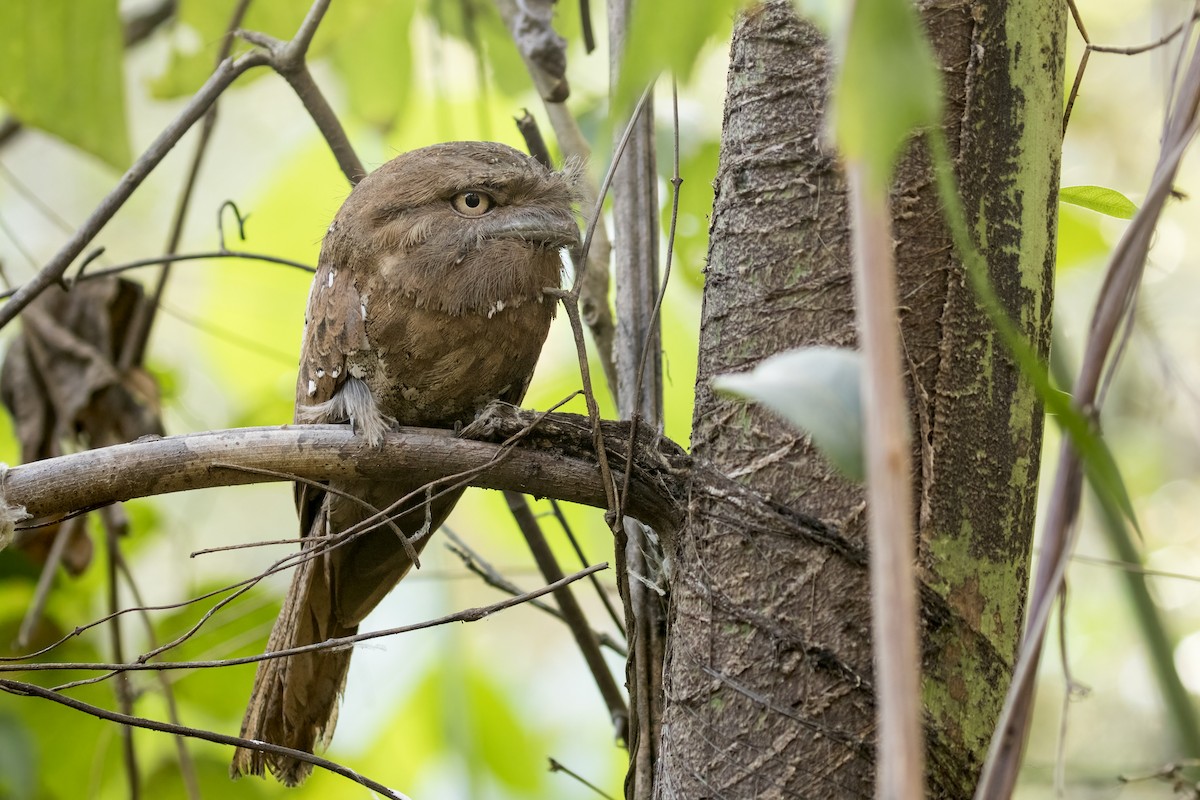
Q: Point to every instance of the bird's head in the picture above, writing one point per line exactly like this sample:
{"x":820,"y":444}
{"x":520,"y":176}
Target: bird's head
{"x":479,"y":216}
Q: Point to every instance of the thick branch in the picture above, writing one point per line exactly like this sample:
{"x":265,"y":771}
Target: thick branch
{"x":555,"y":462}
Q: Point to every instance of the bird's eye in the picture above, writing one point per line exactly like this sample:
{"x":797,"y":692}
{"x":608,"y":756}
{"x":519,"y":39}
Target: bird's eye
{"x":472,"y":204}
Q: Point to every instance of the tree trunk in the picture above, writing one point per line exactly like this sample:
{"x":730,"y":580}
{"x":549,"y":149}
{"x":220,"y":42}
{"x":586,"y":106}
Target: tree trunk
{"x":769,"y":689}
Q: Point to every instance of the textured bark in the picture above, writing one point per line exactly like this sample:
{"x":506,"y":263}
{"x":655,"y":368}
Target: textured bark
{"x":769,"y":676}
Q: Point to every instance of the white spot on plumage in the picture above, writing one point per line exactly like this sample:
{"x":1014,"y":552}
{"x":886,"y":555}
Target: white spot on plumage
{"x":362,"y":307}
{"x":320,"y":372}
{"x":496,"y":308}
{"x":332,"y":275}
{"x":337,"y":370}
{"x":312,"y":388}
{"x":357,"y":371}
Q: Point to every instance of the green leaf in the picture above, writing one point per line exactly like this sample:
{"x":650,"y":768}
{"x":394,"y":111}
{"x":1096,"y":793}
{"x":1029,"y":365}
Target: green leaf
{"x":61,"y":62}
{"x":1080,"y":241}
{"x":1099,"y":198}
{"x":818,"y":390}
{"x":668,"y":35}
{"x":888,"y":85}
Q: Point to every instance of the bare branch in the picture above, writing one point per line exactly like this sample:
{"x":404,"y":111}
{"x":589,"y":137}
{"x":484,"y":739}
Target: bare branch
{"x":320,"y":452}
{"x":492,"y":577}
{"x":136,"y":338}
{"x":572,"y":613}
{"x":165,"y":258}
{"x":543,"y":50}
{"x":222,"y":77}
{"x":287,"y":58}
{"x":603,"y":595}
{"x":466,"y":615}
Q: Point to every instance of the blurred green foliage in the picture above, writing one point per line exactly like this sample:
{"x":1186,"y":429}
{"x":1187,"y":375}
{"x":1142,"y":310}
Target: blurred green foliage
{"x":62,"y":67}
{"x":474,"y":711}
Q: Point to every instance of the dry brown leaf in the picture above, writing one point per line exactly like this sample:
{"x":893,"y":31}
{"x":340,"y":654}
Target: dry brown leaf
{"x":64,"y":392}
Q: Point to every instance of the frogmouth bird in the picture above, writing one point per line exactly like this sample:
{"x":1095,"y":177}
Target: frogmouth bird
{"x":427,"y":304}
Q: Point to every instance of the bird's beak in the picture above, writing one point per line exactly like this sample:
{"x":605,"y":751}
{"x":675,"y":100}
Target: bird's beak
{"x":550,"y":229}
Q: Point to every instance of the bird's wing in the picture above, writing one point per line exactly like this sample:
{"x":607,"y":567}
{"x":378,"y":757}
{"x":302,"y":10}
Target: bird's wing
{"x":333,"y":329}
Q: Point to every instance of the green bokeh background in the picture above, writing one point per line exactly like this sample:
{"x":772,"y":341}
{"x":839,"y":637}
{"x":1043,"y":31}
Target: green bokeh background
{"x":475,"y":711}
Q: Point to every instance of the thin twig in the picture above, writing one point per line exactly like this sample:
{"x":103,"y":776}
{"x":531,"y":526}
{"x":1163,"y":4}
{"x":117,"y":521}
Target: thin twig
{"x":466,"y":615}
{"x":1132,"y":567}
{"x":124,"y":689}
{"x":187,"y":767}
{"x":1134,"y":50}
{"x":156,"y":260}
{"x":1078,"y":21}
{"x":47,"y":276}
{"x":1060,"y":745}
{"x":1090,"y":48}
{"x":137,"y":336}
{"x":556,"y":766}
{"x":409,"y":551}
{"x":207,"y":551}
{"x":1074,"y":93}
{"x":30,"y":690}
{"x":556,"y":509}
{"x":598,"y":211}
{"x":288,"y":59}
{"x":37,"y":605}
{"x":585,"y":24}
{"x":534,"y":142}
{"x":479,"y":566}
{"x":585,"y":637}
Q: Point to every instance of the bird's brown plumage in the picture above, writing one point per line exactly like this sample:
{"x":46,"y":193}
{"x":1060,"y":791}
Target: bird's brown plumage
{"x":419,"y":314}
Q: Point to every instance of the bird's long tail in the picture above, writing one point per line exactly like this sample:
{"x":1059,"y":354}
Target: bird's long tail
{"x":295,"y":699}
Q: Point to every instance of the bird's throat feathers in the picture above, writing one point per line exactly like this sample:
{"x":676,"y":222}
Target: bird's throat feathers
{"x":502,"y":274}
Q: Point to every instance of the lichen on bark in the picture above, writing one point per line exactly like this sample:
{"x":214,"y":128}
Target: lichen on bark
{"x":769,"y":674}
